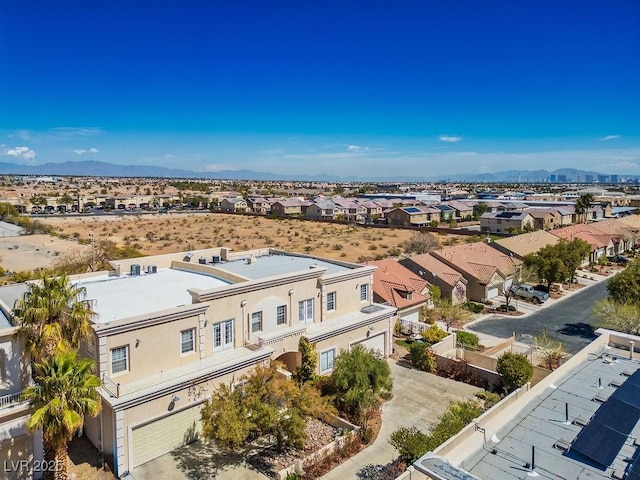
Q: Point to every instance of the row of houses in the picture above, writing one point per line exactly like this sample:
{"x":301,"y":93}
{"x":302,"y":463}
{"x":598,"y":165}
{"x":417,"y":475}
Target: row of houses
{"x":171,"y":328}
{"x":482,"y":271}
{"x":498,"y":217}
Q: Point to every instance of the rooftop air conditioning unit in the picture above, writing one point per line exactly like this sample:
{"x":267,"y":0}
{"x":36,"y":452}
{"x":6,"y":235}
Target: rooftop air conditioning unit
{"x":216,"y":259}
{"x":202,"y":260}
{"x":135,"y":269}
{"x":152,"y":269}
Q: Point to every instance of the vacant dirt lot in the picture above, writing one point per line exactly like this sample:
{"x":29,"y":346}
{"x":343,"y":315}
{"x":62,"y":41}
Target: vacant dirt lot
{"x":29,"y":252}
{"x":165,"y":233}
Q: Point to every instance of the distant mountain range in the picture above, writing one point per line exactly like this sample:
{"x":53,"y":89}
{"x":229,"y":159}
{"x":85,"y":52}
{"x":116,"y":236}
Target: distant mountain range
{"x":102,"y":169}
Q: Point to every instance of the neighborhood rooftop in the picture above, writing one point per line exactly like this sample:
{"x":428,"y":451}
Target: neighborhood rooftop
{"x":114,"y":298}
{"x":262,"y":266}
{"x":587,"y":394}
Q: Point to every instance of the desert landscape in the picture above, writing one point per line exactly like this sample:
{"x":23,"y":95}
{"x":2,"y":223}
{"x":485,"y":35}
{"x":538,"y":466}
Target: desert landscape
{"x":165,"y":233}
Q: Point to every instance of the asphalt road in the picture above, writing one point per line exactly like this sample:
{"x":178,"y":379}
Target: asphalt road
{"x":569,"y":320}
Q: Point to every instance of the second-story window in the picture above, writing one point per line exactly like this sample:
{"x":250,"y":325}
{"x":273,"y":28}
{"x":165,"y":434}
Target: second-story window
{"x":256,"y":322}
{"x":305,"y":311}
{"x":188,"y":340}
{"x":119,"y":359}
{"x":364,"y":292}
{"x":281,"y":315}
{"x":331,"y":301}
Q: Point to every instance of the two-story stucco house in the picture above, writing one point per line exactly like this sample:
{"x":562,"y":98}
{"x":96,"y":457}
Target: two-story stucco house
{"x":170,"y":328}
{"x":20,"y":450}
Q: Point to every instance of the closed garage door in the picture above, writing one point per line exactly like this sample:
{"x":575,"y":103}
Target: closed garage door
{"x":11,"y":452}
{"x":412,"y":316}
{"x":374,"y":343}
{"x":492,"y":292}
{"x":164,"y":435}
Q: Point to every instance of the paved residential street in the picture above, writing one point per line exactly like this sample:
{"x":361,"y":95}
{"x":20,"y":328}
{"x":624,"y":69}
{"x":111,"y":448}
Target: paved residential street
{"x":569,"y":320}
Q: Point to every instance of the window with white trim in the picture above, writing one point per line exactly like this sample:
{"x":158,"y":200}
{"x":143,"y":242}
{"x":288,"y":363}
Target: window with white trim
{"x":331,"y":301}
{"x":256,"y":322}
{"x":327,"y":358}
{"x":305,"y":311}
{"x":188,"y":340}
{"x":119,"y":359}
{"x":281,"y":315}
{"x":223,"y":335}
{"x":364,"y":292}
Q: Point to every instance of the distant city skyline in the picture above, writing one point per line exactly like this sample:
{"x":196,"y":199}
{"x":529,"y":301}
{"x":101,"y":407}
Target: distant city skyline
{"x":414,"y":89}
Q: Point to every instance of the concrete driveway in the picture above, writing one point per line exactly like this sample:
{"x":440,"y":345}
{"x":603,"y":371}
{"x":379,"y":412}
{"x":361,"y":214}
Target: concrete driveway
{"x":419,"y":398}
{"x":197,"y":461}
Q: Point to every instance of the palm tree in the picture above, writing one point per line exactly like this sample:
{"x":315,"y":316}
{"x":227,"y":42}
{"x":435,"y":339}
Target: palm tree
{"x":583,"y":203}
{"x":52,"y":316}
{"x":64,"y":393}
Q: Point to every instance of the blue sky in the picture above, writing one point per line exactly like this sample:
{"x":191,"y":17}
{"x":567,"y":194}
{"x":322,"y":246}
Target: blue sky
{"x":415,"y":87}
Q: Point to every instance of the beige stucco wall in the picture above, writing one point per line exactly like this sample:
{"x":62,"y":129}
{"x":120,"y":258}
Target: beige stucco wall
{"x":158,"y":408}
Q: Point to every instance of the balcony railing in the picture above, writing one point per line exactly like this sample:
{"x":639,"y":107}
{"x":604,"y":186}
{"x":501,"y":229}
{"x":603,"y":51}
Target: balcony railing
{"x":11,"y":399}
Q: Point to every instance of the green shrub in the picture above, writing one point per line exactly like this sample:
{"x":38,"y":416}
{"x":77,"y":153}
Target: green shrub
{"x":474,"y":307}
{"x":515,"y":370}
{"x":489,"y":398}
{"x":468,"y":339}
{"x":422,"y":357}
{"x":411,"y":443}
{"x":434,"y":334}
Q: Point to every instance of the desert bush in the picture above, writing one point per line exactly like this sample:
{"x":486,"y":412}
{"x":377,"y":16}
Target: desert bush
{"x":422,"y":357}
{"x":434,"y":334}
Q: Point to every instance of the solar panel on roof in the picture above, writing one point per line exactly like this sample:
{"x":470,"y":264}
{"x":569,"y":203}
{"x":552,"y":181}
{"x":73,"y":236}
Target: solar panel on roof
{"x":599,"y":443}
{"x":411,"y":210}
{"x":634,"y":472}
{"x":628,"y":394}
{"x":601,"y":440}
{"x":618,"y":415}
{"x":634,"y":378}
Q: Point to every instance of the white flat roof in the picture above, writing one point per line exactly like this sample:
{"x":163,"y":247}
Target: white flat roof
{"x":271,"y":265}
{"x":128,"y":296}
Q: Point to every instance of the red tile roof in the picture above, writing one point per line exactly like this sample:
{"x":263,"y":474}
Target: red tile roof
{"x":393,"y":282}
{"x":479,"y":260}
{"x":442,"y":270}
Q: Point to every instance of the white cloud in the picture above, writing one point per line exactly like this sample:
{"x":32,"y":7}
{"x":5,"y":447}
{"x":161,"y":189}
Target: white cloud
{"x":217,"y":167}
{"x":610,"y":137}
{"x":79,"y":151}
{"x":77,"y":131}
{"x":21,"y":134}
{"x":624,"y":165}
{"x":450,"y":138}
{"x":357,"y":148}
{"x":21,"y":152}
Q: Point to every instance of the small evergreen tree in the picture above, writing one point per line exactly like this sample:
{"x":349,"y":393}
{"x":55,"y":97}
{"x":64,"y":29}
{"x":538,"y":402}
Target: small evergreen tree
{"x":309,"y":362}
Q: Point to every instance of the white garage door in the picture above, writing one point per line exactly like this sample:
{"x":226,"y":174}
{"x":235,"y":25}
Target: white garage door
{"x":412,"y":316}
{"x":374,"y":343}
{"x":492,"y":292}
{"x":164,"y":435}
